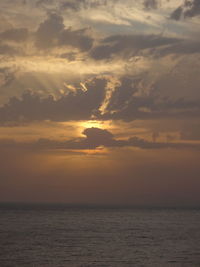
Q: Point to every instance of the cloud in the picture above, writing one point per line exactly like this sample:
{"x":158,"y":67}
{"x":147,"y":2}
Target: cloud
{"x":6,"y":76}
{"x":76,"y":5}
{"x":16,"y":35}
{"x":48,"y":32}
{"x":191,"y":131}
{"x":95,"y":138}
{"x":79,"y":105}
{"x":123,"y":102}
{"x":177,"y":13}
{"x":70,"y":56}
{"x":73,"y":5}
{"x":52,"y":33}
{"x":120,"y":46}
{"x":151,"y":107}
{"x":12,"y":41}
{"x":123,"y":93}
{"x":127,"y":102}
{"x":9,"y":50}
{"x":150,"y":4}
{"x":183,"y":47}
{"x":129,"y":45}
{"x":190,"y":8}
{"x":76,"y":39}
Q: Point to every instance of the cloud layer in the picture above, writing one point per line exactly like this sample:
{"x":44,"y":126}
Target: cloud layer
{"x":100,"y":101}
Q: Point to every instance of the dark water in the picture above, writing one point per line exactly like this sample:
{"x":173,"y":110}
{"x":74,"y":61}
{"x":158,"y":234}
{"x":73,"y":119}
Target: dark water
{"x":63,"y":236}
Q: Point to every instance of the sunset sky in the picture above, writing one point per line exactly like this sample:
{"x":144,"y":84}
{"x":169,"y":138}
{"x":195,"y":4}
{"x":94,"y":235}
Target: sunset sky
{"x":100,"y":102}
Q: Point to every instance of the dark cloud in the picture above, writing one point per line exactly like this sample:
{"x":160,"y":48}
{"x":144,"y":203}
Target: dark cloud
{"x":10,"y":39}
{"x":129,"y":45}
{"x":40,"y":3}
{"x":94,"y":138}
{"x":73,"y":5}
{"x":52,"y":33}
{"x":184,"y":47}
{"x":191,"y":132}
{"x":177,"y":13}
{"x":17,"y":35}
{"x":127,"y":104}
{"x":190,"y":8}
{"x":49,"y":31}
{"x":193,"y":8}
{"x":76,"y":5}
{"x":123,"y":93}
{"x":6,"y":76}
{"x":77,"y":105}
{"x":76,"y":39}
{"x":154,"y":107}
{"x":124,"y":104}
{"x":9,"y":50}
{"x":150,"y":4}
{"x":69,"y":56}
{"x":70,"y":5}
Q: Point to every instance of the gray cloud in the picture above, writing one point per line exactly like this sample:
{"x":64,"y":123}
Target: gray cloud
{"x":17,"y":35}
{"x":127,"y":104}
{"x":10,"y":39}
{"x":49,"y":31}
{"x":124,"y":104}
{"x":190,"y":8}
{"x":129,"y":45}
{"x":69,"y":56}
{"x":77,"y":105}
{"x":123,"y":93}
{"x":94,"y":138}
{"x":184,"y":47}
{"x":120,"y":46}
{"x":191,"y":131}
{"x":40,"y":3}
{"x":152,"y":107}
{"x":9,"y":50}
{"x":6,"y":76}
{"x":76,"y":38}
{"x":76,"y":5}
{"x":150,"y":4}
{"x":52,"y":33}
{"x":177,"y":13}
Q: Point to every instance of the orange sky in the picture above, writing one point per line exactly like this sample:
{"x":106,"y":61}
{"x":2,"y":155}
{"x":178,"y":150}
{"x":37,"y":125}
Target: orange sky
{"x":99,"y":102}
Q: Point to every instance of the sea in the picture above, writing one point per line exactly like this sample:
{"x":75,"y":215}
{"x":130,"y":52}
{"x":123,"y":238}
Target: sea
{"x":63,"y":235}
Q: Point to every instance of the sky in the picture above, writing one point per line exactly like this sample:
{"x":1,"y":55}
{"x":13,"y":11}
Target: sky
{"x":100,"y":102}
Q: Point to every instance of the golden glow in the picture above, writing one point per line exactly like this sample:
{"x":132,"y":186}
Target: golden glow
{"x":100,"y":151}
{"x":91,"y":123}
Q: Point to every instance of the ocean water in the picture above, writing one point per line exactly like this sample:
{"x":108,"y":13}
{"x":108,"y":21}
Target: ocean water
{"x":71,"y":236}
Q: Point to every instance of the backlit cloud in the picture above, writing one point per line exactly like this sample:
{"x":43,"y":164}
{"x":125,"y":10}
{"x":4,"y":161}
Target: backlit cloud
{"x":190,"y":8}
{"x":99,"y":90}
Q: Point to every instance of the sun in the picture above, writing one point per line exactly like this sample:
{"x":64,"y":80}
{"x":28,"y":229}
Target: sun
{"x":91,"y":123}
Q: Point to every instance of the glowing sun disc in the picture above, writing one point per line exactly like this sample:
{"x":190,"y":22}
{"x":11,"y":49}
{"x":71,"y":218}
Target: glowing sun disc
{"x":92,"y":123}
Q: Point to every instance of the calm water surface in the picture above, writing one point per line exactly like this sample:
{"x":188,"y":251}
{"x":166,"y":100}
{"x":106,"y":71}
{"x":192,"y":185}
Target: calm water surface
{"x":64,"y":236}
